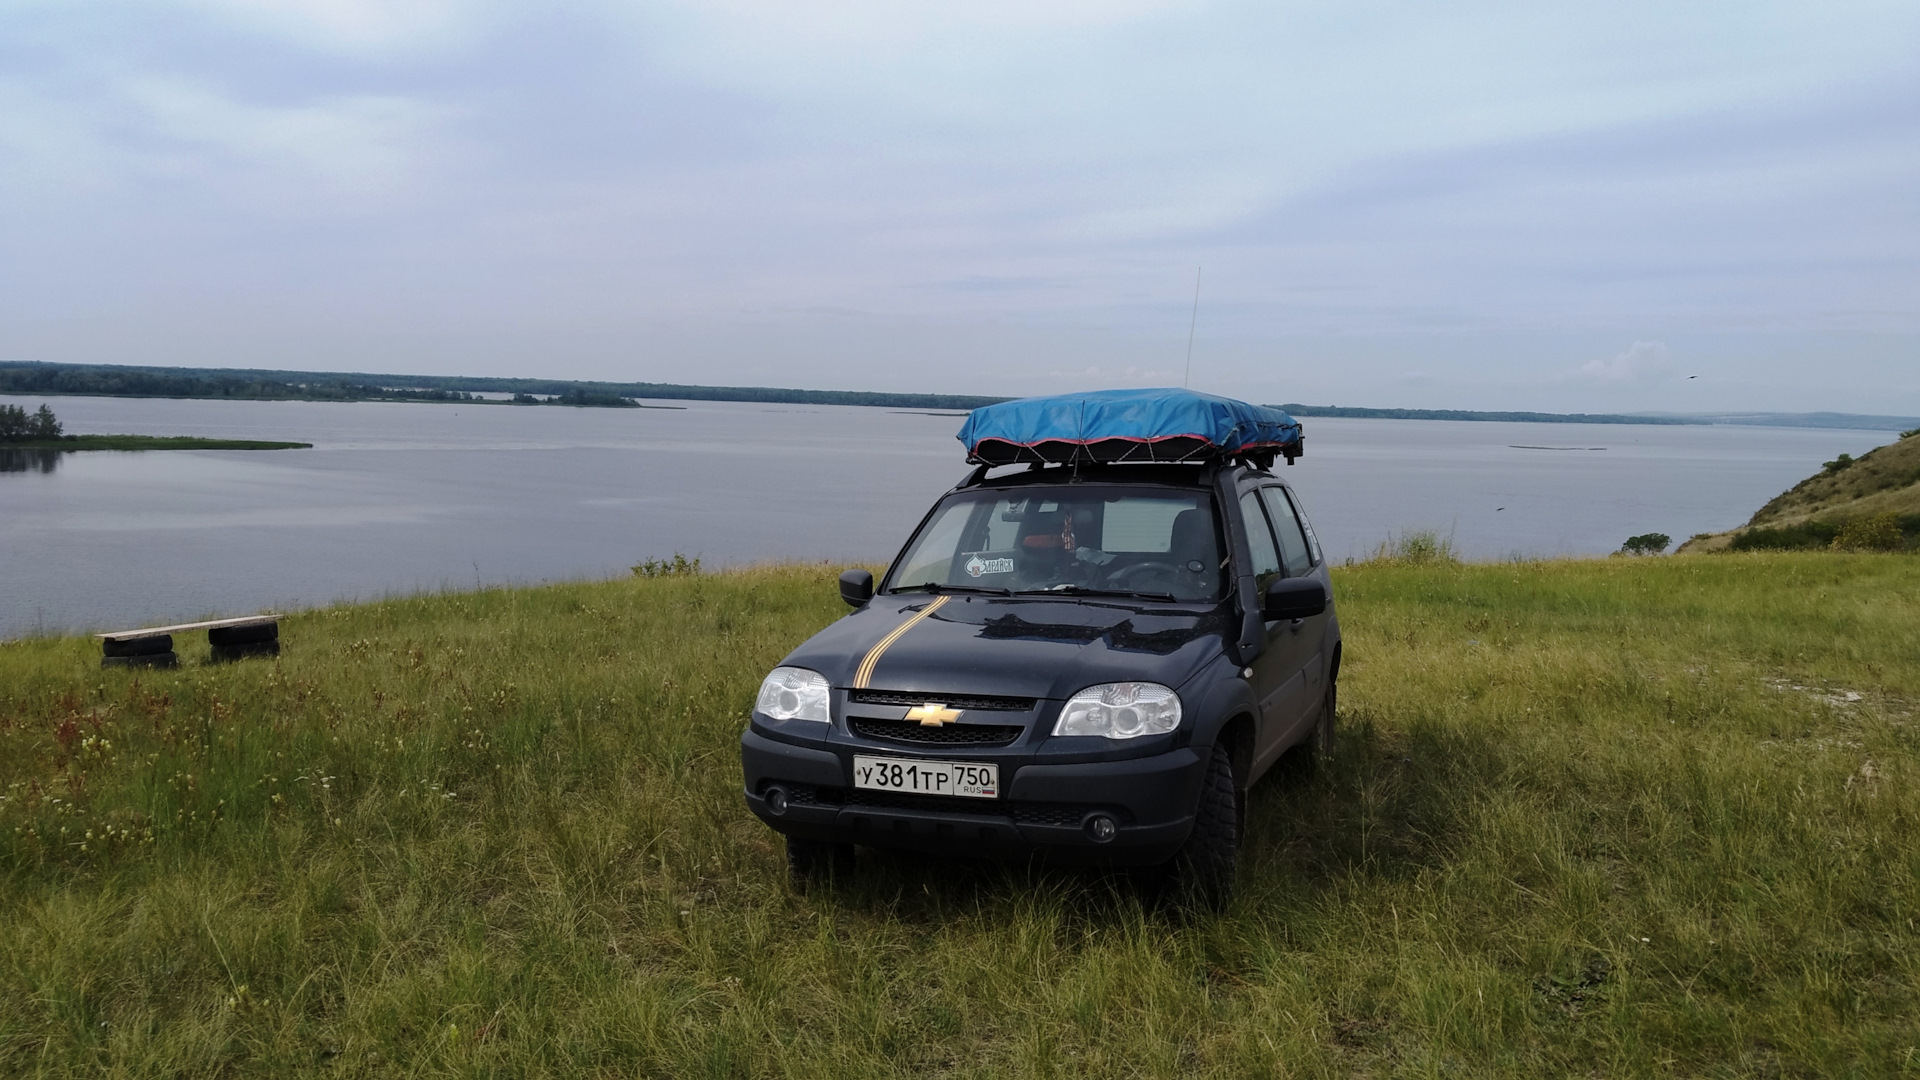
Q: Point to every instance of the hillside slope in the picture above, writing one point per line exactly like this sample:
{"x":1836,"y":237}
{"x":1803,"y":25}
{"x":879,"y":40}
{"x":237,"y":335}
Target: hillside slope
{"x":1885,"y":480}
{"x":1881,"y":481}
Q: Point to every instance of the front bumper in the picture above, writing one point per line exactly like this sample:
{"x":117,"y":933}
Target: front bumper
{"x":1046,"y":808}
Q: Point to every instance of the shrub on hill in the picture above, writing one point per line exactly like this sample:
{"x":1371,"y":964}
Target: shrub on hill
{"x":1878,"y":532}
{"x":1646,"y":544}
{"x":1881,"y":532}
{"x":1802,"y":536}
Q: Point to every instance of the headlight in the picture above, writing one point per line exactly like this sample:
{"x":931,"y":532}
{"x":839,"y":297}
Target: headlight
{"x":791,"y":693}
{"x":1120,"y":710}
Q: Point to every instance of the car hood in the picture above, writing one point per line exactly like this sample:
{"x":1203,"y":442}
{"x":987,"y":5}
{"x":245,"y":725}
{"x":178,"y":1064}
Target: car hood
{"x":1018,"y":646}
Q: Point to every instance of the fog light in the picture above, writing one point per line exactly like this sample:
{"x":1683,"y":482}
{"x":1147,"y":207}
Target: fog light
{"x":776,"y":800}
{"x":1101,"y":828}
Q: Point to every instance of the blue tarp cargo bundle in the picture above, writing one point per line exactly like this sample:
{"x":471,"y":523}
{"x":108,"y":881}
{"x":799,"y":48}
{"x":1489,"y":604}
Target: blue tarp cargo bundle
{"x":1128,"y":426}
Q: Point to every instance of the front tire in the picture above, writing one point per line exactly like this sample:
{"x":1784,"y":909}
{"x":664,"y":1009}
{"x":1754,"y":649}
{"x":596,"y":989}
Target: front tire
{"x":1203,"y":871}
{"x":1323,"y":734}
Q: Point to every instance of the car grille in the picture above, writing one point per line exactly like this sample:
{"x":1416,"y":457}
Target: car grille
{"x":980,"y":702}
{"x":1069,"y":814}
{"x":1026,"y":813}
{"x":797,"y":794}
{"x":897,"y":800}
{"x":907,"y":731}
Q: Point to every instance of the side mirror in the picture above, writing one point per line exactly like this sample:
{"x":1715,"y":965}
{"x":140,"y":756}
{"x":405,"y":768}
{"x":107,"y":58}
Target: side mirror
{"x":856,"y":587}
{"x":1293,"y":598}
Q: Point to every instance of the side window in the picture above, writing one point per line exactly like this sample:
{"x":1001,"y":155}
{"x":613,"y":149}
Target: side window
{"x":1293,"y":543}
{"x":1266,"y":561}
{"x":1313,"y":542}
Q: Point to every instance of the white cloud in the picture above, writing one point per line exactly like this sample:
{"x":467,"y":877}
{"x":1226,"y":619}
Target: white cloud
{"x":1094,"y":374}
{"x":351,"y":143}
{"x":125,"y":136}
{"x":1642,"y":362}
{"x":358,"y":26}
{"x":869,"y":23}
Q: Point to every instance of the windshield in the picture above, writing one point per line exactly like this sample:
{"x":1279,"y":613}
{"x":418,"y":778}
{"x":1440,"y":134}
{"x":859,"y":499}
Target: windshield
{"x":1152,"y":542}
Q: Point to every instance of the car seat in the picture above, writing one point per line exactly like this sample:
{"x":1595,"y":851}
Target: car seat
{"x":1192,"y":542}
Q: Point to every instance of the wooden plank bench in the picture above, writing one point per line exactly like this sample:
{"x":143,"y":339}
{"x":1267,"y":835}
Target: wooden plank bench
{"x":248,"y":635}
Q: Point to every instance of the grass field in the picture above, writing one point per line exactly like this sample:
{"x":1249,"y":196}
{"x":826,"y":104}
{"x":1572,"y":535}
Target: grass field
{"x":1627,"y":817}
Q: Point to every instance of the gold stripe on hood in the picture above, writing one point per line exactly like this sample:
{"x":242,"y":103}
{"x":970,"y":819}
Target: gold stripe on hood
{"x":865,"y":674}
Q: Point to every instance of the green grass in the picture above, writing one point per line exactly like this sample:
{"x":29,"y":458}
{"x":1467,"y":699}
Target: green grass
{"x":1613,"y":817}
{"x":149,"y":442}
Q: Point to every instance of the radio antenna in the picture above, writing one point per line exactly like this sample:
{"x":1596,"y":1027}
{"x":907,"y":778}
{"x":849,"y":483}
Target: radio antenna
{"x":1191,"y":324}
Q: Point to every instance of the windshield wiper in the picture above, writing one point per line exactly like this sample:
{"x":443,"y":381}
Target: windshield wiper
{"x":936,"y":588}
{"x":1070,"y":589}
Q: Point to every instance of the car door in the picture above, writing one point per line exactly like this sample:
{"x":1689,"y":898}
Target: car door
{"x":1300,"y":557}
{"x":1278,"y":677}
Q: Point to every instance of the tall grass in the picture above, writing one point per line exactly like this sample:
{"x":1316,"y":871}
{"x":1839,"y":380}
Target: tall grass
{"x":1416,"y":547}
{"x":1624,"y":817}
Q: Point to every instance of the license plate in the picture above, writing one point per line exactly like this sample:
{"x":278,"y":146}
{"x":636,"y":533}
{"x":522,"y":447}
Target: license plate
{"x":964,"y":778}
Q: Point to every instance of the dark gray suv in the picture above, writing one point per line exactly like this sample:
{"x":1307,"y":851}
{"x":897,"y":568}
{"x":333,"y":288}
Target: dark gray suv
{"x":1090,"y":660}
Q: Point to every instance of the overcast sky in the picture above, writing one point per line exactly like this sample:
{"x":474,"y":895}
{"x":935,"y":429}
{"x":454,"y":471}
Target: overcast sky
{"x":1570,"y":206}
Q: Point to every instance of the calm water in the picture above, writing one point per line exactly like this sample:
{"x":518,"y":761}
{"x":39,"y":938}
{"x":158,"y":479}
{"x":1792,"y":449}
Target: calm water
{"x":396,"y":498}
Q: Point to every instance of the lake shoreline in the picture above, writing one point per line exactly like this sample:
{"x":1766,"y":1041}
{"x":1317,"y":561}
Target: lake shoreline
{"x":75,"y":443}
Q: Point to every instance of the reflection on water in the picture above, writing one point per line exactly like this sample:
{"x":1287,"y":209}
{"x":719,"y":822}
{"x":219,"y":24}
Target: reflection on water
{"x":40,"y":461}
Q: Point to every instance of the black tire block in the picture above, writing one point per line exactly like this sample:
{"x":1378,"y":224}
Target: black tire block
{"x":224,"y":653}
{"x":244,"y":635}
{"x":140,"y":646}
{"x":150,"y":660}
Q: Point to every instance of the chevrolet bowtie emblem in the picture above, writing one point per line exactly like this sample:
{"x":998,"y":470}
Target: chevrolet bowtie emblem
{"x":933,"y":714}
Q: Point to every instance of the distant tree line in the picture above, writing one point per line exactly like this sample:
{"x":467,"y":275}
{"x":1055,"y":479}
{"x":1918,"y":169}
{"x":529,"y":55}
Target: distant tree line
{"x":110,"y":380}
{"x":580,"y":398}
{"x":18,"y":425}
{"x":1474,"y":414}
{"x":103,"y":380}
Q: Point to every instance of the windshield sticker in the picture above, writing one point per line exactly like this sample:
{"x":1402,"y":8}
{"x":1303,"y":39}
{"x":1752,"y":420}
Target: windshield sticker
{"x":977,"y":566}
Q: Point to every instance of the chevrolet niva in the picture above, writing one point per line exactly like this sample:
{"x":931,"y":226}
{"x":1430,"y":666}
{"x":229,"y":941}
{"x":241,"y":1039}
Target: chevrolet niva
{"x":1090,"y":656}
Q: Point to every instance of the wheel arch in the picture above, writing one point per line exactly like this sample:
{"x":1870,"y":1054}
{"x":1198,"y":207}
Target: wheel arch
{"x":1237,"y":735}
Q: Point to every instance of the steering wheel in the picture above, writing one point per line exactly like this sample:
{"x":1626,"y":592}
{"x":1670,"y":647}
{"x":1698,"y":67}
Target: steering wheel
{"x":1130,"y":577}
